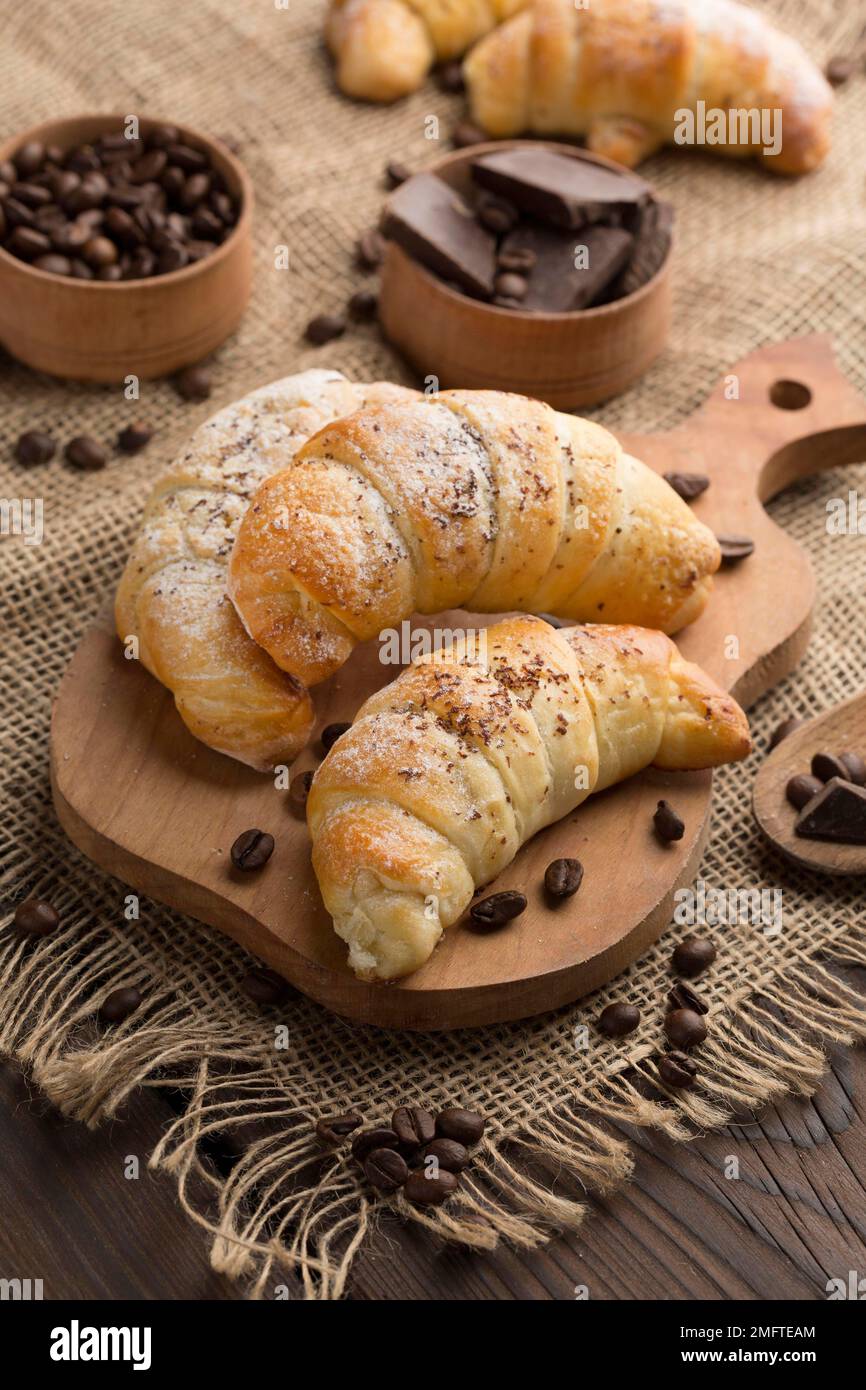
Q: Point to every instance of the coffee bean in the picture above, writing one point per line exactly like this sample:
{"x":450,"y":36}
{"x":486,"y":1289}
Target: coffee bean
{"x":682,"y":996}
{"x":299,"y":789}
{"x":30,"y":158}
{"x":396,"y":173}
{"x":142,"y":264}
{"x":265,"y":987}
{"x":518,"y":261}
{"x":466,"y":134}
{"x":424,"y":1191}
{"x":466,"y":1126}
{"x":194,"y":191}
{"x":86,"y":453}
{"x":331,"y":733}
{"x":497,"y":215}
{"x":839,"y":70}
{"x":33,"y":195}
{"x":363,"y":305}
{"x":99,"y":251}
{"x":324,"y":328}
{"x":370,"y":249}
{"x":563,"y":877}
{"x":70,"y":239}
{"x":161,"y":136}
{"x":413,"y":1126}
{"x":120,"y":1004}
{"x":801,"y":789}
{"x":224,"y":208}
{"x":252,"y":849}
{"x":81,"y":270}
{"x":371,"y":1139}
{"x":133,"y":438}
{"x":34,"y":447}
{"x":149,"y":167}
{"x":194,"y":384}
{"x":186,"y":158}
{"x":174,"y":257}
{"x":450,"y":77}
{"x":109,"y":273}
{"x":386,"y":1170}
{"x":35,"y":917}
{"x":677,"y":1070}
{"x":619,"y":1019}
{"x":207,"y":226}
{"x":669,"y":826}
{"x":688,"y":486}
{"x":8,"y":172}
{"x":450,"y":1155}
{"x":685,"y":1028}
{"x":693,"y":955}
{"x":27,"y":243}
{"x":49,"y":219}
{"x":123,"y":227}
{"x":510,"y":286}
{"x":53,"y":264}
{"x":789,"y":726}
{"x":83,"y":159}
{"x":856,"y":768}
{"x":498,"y":909}
{"x":735,"y":548}
{"x":825,"y":766}
{"x":333,"y":1129}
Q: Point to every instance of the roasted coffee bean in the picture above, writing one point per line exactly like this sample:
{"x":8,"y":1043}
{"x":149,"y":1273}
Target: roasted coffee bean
{"x":370,"y":249}
{"x":252,"y":849}
{"x":29,"y":159}
{"x":8,"y":172}
{"x":789,"y":726}
{"x":826,"y":765}
{"x":83,"y":159}
{"x":450,"y":77}
{"x":386,"y":1170}
{"x":424,"y":1191}
{"x":688,"y":486}
{"x":503,"y":301}
{"x":735,"y":548}
{"x":133,"y":438}
{"x":856,"y":768}
{"x":839,"y":70}
{"x":161,"y":136}
{"x":801,"y":789}
{"x":510,"y":286}
{"x":682,"y":996}
{"x":62,"y":183}
{"x":35,"y":917}
{"x":466,"y":1126}
{"x":17,"y":215}
{"x":53,"y":264}
{"x":265,"y":986}
{"x":396,"y":173}
{"x":194,"y":191}
{"x":299,"y":789}
{"x":120,"y":1004}
{"x":371,"y":1139}
{"x":197,"y":250}
{"x":70,"y":239}
{"x":333,"y":1129}
{"x":466,"y":134}
{"x":123,"y":227}
{"x":331,"y":733}
{"x":619,"y":1019}
{"x":149,"y":167}
{"x":87,"y":197}
{"x":413,"y":1126}
{"x":498,"y":909}
{"x":174,"y":257}
{"x":206,"y":225}
{"x":685,"y":1028}
{"x":109,"y":272}
{"x":173,"y":181}
{"x":324,"y":328}
{"x":2,"y":218}
{"x":142,"y":264}
{"x":224,"y":208}
{"x":497,"y":215}
{"x":677,"y":1070}
{"x":363,"y":305}
{"x":99,"y":252}
{"x":81,"y":270}
{"x":33,"y":195}
{"x":34,"y":446}
{"x":50,"y":219}
{"x":563,"y":877}
{"x":194,"y":384}
{"x":450,"y":1155}
{"x":186,"y":158}
{"x":86,"y":453}
{"x":519,"y":261}
{"x":27,"y":243}
{"x":693,"y":955}
{"x":669,"y":826}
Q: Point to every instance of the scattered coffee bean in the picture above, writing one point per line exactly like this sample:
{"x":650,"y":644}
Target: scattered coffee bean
{"x":450,"y":1155}
{"x":735,"y":548}
{"x":839,"y":70}
{"x":120,"y":1004}
{"x":498,"y":909}
{"x":331,"y":733}
{"x":618,"y":1019}
{"x":856,"y":768}
{"x":324,"y":328}
{"x":370,"y":1139}
{"x":34,"y":446}
{"x":363,"y":305}
{"x":677,"y":1070}
{"x":563,"y":877}
{"x":134,"y":438}
{"x":497,"y":215}
{"x":682,"y":996}
{"x":801,"y":789}
{"x":370,"y":249}
{"x":466,"y":1126}
{"x":669,"y":826}
{"x":265,"y":986}
{"x":299,"y":789}
{"x":252,"y":849}
{"x":36,"y":917}
{"x":194,"y":384}
{"x":685,"y":1028}
{"x":688,"y":486}
{"x":693,"y":955}
{"x":825,"y":766}
{"x":413,"y":1126}
{"x":519,"y":260}
{"x":86,"y":453}
{"x":333,"y":1129}
{"x":510,"y":286}
{"x":424,"y":1191}
{"x":789,"y":726}
{"x":396,"y":173}
{"x":465,"y":135}
{"x":450,"y":77}
{"x":386,"y":1170}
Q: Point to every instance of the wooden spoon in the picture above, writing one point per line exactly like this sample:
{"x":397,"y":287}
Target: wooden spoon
{"x":839,"y":730}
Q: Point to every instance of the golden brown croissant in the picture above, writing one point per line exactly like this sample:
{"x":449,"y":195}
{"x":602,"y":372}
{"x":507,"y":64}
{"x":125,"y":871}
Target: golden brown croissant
{"x":620,"y":71}
{"x":449,"y":770}
{"x":470,"y":499}
{"x":172,"y":593}
{"x":385,"y":48}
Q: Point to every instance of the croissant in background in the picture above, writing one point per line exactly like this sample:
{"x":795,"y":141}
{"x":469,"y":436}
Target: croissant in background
{"x":618,"y":71}
{"x":448,"y":771}
{"x":470,"y":499}
{"x":384,"y":49}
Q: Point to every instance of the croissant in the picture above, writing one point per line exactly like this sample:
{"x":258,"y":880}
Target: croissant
{"x":472,"y":499}
{"x":385,"y":48}
{"x":449,"y":770}
{"x":172,"y":594}
{"x":620,"y":71}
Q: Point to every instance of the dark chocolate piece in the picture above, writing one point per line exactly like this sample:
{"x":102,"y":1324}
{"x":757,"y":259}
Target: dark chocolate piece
{"x":555,"y":283}
{"x":434,"y":224}
{"x":567,"y":191}
{"x":652,"y":244}
{"x":837,"y":813}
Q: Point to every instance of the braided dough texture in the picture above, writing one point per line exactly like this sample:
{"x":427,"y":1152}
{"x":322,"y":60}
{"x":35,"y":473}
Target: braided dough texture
{"x":471,"y":499}
{"x":466,"y":755}
{"x":384,"y":49}
{"x":618,"y":71}
{"x":172,"y":593}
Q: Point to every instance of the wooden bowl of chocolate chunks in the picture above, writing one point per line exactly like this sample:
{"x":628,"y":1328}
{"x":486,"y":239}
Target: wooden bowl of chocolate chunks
{"x":125,"y":246}
{"x":531,"y":267}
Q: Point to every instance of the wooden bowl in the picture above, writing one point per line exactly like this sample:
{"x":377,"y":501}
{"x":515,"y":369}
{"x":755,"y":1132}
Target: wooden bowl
{"x":569,"y":360}
{"x":90,"y":330}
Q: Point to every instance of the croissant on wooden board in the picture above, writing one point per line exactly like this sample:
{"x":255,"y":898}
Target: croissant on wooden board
{"x":465,"y":756}
{"x":172,"y":595}
{"x":479,"y":500}
{"x":384,"y":49}
{"x":622,"y":72}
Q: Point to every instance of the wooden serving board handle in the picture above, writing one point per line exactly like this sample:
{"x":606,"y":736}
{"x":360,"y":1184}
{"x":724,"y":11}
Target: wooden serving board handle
{"x":148,"y":803}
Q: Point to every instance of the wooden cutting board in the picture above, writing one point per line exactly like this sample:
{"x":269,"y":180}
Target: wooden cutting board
{"x":146,"y":802}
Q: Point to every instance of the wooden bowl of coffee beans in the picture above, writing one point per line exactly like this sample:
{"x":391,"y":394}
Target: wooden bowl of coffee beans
{"x":125,"y":246}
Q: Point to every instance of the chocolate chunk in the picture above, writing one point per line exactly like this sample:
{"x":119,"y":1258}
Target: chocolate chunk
{"x":466,"y":134}
{"x":688,"y":486}
{"x":825,"y":766}
{"x":692,"y":956}
{"x":434,"y":224}
{"x":787,"y":727}
{"x":557,"y":188}
{"x":837,"y":814}
{"x":557,"y":284}
{"x":618,"y":1019}
{"x":331,"y":733}
{"x":651,"y":246}
{"x":800,"y":790}
{"x":669,"y":826}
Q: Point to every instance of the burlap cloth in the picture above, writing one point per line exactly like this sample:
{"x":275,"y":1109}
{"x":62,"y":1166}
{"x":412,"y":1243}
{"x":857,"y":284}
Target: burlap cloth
{"x":759,"y":260}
